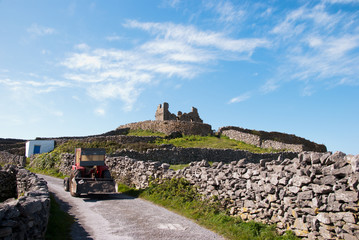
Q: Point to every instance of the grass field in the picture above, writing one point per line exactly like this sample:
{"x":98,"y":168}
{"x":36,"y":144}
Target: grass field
{"x":223,"y":142}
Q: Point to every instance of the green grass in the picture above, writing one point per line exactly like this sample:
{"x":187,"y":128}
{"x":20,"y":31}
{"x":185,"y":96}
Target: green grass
{"x":145,"y":133}
{"x":223,"y":142}
{"x":51,"y":172}
{"x":178,"y":166}
{"x":59,"y":226}
{"x":180,"y":196}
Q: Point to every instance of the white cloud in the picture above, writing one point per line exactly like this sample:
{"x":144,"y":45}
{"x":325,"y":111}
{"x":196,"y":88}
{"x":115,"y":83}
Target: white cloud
{"x":9,"y":82}
{"x":240,"y":98}
{"x":171,"y":3}
{"x":190,"y":35}
{"x":38,"y":30}
{"x":341,"y":1}
{"x":100,"y":111}
{"x":269,"y":86}
{"x":82,"y":47}
{"x":307,"y":91}
{"x":83,"y":61}
{"x":228,"y":12}
{"x":173,"y":51}
{"x":317,"y":48}
{"x":31,"y":86}
{"x":314,"y":41}
{"x":177,"y":51}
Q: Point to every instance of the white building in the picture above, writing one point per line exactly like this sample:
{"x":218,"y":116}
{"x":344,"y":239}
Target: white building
{"x":39,"y":146}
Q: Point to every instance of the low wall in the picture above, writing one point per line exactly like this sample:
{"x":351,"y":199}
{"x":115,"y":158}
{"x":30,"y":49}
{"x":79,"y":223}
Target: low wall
{"x":273,"y":140}
{"x":170,"y":126}
{"x":7,"y":184}
{"x":315,"y":194}
{"x":27,"y":216}
{"x":174,"y":155}
{"x":119,"y":139}
{"x":8,"y":158}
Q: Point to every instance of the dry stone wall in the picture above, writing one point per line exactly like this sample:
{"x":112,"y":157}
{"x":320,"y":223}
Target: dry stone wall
{"x":27,"y":216}
{"x":14,"y":146}
{"x":168,"y":127}
{"x":119,"y":139}
{"x":7,"y":184}
{"x":273,"y":140}
{"x":8,"y":158}
{"x":174,"y":155}
{"x":314,"y":194}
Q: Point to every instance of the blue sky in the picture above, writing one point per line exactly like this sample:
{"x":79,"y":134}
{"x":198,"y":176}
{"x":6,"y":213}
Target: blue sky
{"x":72,"y":68}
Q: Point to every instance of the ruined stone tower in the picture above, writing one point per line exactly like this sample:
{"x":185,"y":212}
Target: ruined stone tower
{"x":162,"y":114}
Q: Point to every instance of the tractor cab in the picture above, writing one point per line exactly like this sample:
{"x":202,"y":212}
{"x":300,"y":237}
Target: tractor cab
{"x":89,"y":174}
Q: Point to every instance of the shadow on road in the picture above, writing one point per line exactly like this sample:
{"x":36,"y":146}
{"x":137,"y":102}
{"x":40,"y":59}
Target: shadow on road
{"x":77,"y":231}
{"x":105,"y":197}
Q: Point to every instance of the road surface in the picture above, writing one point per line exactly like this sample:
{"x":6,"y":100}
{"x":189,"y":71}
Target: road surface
{"x":119,"y":216}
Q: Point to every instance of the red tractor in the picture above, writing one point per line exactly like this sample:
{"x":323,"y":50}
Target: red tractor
{"x":89,"y":174}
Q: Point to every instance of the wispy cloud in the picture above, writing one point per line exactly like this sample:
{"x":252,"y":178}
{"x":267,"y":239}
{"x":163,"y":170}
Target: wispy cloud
{"x":100,"y":111}
{"x":174,"y":51}
{"x":32,"y":86}
{"x":38,"y":30}
{"x":226,"y":11}
{"x":171,"y":3}
{"x":240,"y":98}
{"x":316,"y":48}
{"x":341,"y":1}
{"x":82,"y":47}
{"x":191,"y":35}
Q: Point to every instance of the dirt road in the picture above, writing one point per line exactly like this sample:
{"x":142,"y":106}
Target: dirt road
{"x":122,"y":217}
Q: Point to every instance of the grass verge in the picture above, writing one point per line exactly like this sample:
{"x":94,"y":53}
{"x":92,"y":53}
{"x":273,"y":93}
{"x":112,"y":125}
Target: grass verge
{"x":222,"y":142}
{"x":51,"y":172}
{"x":180,"y":196}
{"x":59,"y":226}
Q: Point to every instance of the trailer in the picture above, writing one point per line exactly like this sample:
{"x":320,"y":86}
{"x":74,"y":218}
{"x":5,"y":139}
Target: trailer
{"x":89,"y":174}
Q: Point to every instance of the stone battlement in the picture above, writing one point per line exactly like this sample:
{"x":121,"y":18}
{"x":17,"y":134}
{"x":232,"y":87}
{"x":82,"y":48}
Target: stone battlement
{"x":163,"y":114}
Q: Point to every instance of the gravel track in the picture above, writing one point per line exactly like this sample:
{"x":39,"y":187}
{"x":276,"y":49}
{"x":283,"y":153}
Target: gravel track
{"x":119,"y":216}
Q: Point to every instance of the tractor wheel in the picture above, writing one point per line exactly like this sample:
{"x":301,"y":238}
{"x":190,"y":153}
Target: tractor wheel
{"x":74,"y":174}
{"x":106,"y":174}
{"x":66,"y":184}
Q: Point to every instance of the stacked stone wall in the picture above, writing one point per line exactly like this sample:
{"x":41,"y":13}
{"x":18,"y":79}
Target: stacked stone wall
{"x":314,"y":194}
{"x":14,"y":146}
{"x":7,"y":184}
{"x":174,"y":155}
{"x":27,"y":216}
{"x":14,"y":159}
{"x":119,"y":139}
{"x":273,"y":140}
{"x":168,"y":127}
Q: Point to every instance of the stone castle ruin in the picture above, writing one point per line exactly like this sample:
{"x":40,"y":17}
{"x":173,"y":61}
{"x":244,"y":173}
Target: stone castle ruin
{"x":163,"y":114}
